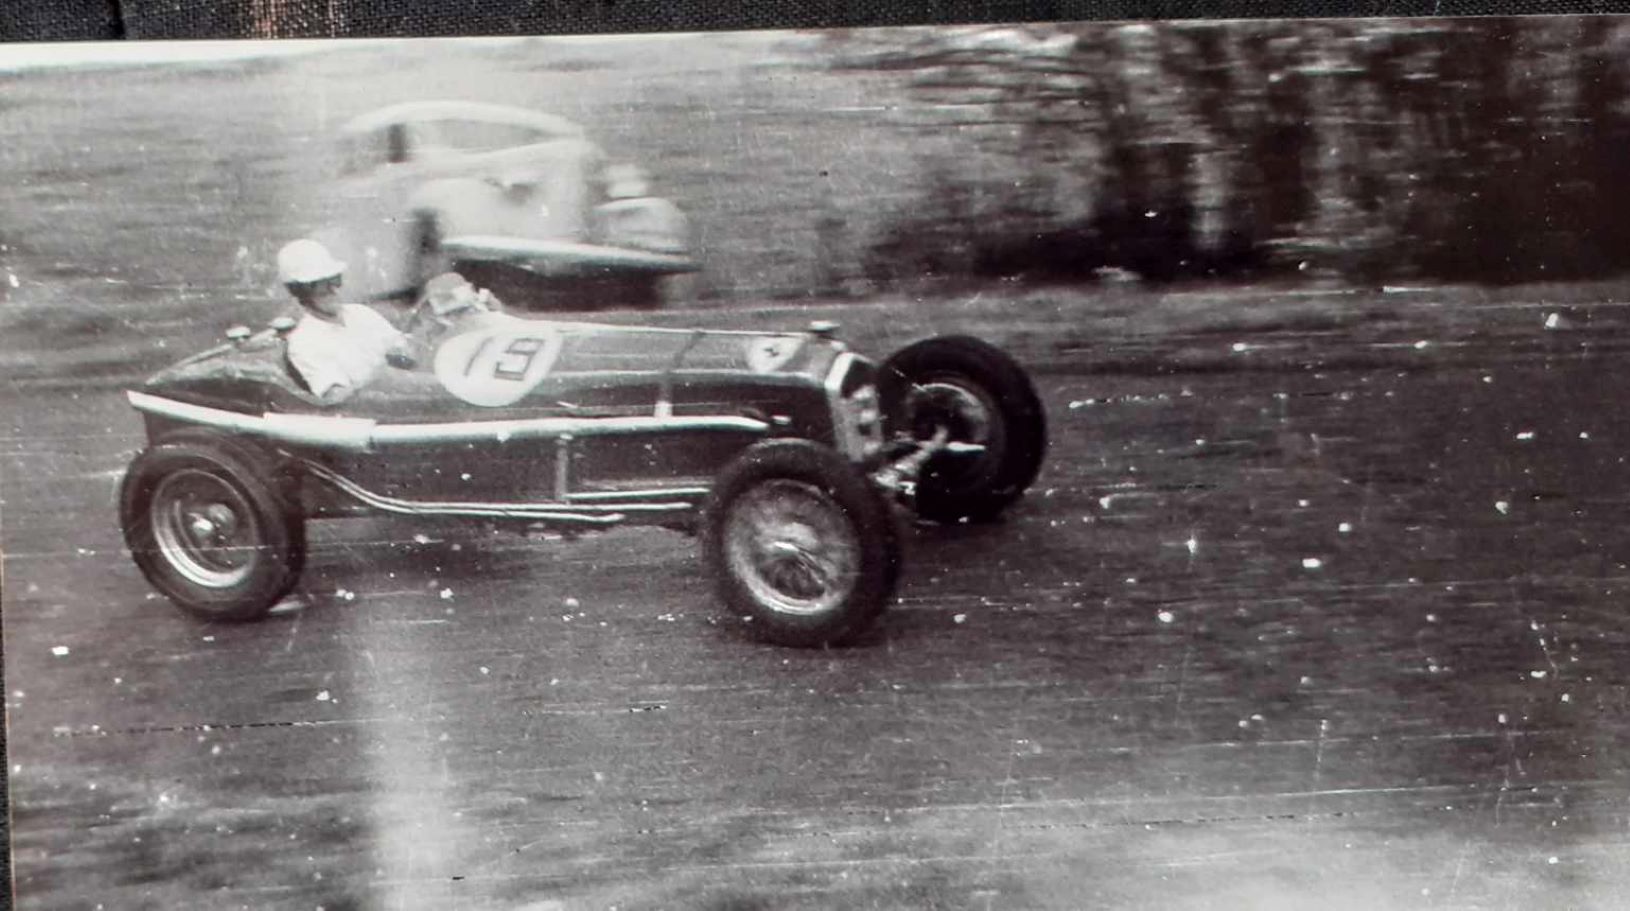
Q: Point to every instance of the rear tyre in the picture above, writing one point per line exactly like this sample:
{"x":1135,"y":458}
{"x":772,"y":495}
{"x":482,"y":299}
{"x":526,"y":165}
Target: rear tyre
{"x":601,"y":292}
{"x":212,"y":523}
{"x":800,"y":544}
{"x":981,"y":396}
{"x":640,"y":292}
{"x":515,"y":288}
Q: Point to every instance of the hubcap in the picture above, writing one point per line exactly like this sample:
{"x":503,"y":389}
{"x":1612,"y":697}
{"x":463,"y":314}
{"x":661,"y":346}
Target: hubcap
{"x":968,"y":414}
{"x":793,"y":547}
{"x":963,"y":411}
{"x":205,"y":528}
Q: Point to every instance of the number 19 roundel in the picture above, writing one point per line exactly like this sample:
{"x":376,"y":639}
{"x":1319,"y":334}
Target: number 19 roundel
{"x":493,"y":369}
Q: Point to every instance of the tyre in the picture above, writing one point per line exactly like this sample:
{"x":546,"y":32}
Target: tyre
{"x":979,"y":395}
{"x":515,"y":288}
{"x":639,"y":292}
{"x":602,"y":292}
{"x":800,"y":544}
{"x":212,"y":523}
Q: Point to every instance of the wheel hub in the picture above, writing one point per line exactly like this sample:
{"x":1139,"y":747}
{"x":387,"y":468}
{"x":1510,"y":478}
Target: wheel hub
{"x":794,"y":551}
{"x":797,"y":569}
{"x":199,"y":523}
{"x":967,"y":415}
{"x":791,"y":538}
{"x":213,"y":525}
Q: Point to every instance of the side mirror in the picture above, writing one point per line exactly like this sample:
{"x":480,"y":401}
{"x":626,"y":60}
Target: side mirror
{"x":238,"y":334}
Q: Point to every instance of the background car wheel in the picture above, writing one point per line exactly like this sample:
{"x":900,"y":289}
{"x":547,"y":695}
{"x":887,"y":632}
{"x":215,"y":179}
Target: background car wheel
{"x":515,"y":288}
{"x":980,"y":395}
{"x":638,"y":292}
{"x":212,"y":524}
{"x":800,"y":543}
{"x":599,"y":292}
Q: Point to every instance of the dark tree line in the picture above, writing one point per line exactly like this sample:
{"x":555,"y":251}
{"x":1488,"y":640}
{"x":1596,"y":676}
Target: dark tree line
{"x":1466,"y":150}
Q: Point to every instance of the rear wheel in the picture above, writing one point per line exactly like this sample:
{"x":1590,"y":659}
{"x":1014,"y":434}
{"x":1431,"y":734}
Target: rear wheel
{"x":800,"y":544}
{"x":637,"y":292}
{"x":212,"y":525}
{"x":515,"y":288}
{"x":612,"y":291}
{"x":979,"y":396}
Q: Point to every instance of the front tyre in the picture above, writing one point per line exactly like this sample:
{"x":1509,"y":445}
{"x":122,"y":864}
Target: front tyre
{"x":212,"y":525}
{"x":980,"y":396}
{"x":800,"y":544}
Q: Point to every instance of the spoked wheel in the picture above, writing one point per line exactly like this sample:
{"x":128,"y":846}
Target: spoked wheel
{"x":990,"y":412}
{"x":205,"y":528}
{"x":800,"y":544}
{"x":792,"y":547}
{"x":212,"y":526}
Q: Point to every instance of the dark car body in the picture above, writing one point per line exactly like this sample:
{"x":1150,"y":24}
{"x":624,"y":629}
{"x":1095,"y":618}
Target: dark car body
{"x":515,"y":411}
{"x":782,"y":450}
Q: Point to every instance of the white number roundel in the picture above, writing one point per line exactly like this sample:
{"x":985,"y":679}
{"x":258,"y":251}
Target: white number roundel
{"x":496,"y":368}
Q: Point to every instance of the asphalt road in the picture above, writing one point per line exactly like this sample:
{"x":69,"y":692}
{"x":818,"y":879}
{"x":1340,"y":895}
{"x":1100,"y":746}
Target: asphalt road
{"x":1258,"y":639}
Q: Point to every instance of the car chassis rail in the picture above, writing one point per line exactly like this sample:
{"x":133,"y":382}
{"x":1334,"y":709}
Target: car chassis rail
{"x":323,"y":431}
{"x":896,"y":476}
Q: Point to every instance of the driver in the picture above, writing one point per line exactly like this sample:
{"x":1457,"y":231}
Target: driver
{"x":337,"y":348}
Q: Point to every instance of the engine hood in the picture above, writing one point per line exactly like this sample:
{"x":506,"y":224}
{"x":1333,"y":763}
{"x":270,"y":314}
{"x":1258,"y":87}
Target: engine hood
{"x":600,"y":346}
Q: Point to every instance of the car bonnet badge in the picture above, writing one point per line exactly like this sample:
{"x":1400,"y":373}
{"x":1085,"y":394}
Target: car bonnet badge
{"x":769,"y":353}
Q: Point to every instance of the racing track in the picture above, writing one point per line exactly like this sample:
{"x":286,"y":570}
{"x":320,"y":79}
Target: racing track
{"x":1258,"y":639}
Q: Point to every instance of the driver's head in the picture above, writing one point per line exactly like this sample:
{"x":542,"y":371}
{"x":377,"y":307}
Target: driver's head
{"x":309,"y":271}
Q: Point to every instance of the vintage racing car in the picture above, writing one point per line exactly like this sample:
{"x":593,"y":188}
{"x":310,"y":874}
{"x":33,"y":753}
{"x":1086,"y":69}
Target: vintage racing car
{"x":783,"y":451}
{"x":511,"y":197}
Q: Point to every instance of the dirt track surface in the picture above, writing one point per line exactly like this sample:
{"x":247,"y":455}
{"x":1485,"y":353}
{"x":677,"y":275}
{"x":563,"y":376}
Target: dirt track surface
{"x":1257,"y":639}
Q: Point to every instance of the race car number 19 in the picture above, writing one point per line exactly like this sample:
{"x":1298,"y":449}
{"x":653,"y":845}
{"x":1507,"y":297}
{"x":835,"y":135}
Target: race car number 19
{"x":493,"y":369}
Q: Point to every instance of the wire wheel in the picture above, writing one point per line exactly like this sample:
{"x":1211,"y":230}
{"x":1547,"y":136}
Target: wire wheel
{"x":213,"y":523}
{"x":969,"y":414}
{"x":979,"y":396}
{"x":800,"y":544}
{"x":793,"y":547}
{"x":205,"y":529}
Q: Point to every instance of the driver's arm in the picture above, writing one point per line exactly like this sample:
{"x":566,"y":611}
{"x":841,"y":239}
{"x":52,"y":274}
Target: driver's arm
{"x":405,"y":352}
{"x":335,"y":393}
{"x":433,"y":318}
{"x":328,"y":385}
{"x":402,"y":350}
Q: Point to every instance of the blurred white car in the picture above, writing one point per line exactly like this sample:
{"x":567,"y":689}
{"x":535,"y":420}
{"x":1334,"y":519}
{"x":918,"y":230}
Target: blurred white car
{"x":504,"y":195}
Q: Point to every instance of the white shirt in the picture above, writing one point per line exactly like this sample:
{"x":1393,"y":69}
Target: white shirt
{"x":343,"y":355}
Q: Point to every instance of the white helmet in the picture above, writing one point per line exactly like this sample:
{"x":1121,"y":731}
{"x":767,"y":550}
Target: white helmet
{"x":304,"y":261}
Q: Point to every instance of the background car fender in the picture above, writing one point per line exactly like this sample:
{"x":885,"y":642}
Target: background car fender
{"x":455,"y":205}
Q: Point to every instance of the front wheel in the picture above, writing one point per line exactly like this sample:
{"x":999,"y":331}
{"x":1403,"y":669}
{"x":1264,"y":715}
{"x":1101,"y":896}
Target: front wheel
{"x":984,"y":400}
{"x":800,"y":544}
{"x":212,"y":525}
